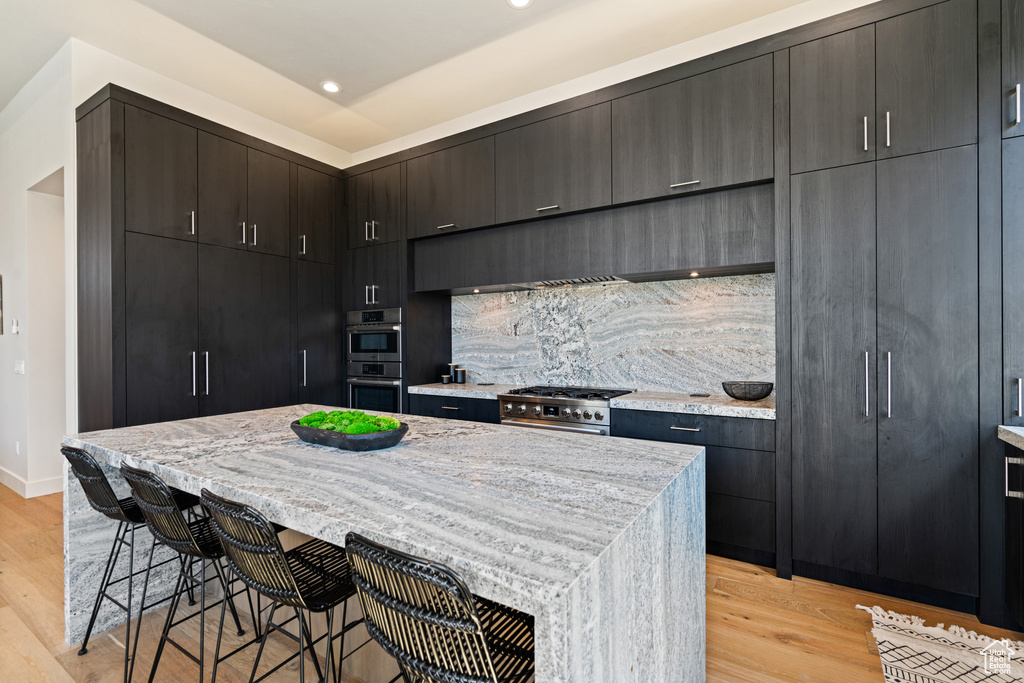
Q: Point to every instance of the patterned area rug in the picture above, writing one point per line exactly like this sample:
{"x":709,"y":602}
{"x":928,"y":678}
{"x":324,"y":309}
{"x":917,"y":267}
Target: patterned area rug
{"x":914,"y":653}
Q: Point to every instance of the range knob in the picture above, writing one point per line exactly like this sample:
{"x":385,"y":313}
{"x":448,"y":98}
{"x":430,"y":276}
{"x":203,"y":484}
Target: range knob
{"x":598,"y":415}
{"x":536,"y":410}
{"x":587,"y":415}
{"x":565,"y":412}
{"x":577,"y":414}
{"x":508,"y":408}
{"x":521,"y":410}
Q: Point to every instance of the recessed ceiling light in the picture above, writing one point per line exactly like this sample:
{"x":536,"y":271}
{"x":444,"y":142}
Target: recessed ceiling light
{"x":330,"y":86}
{"x":694,"y":274}
{"x":519,"y":4}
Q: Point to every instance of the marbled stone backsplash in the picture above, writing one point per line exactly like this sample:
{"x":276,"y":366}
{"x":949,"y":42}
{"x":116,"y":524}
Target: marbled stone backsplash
{"x":683,"y":335}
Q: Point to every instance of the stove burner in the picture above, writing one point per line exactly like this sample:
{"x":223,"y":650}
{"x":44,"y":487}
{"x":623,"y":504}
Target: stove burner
{"x":579,"y":393}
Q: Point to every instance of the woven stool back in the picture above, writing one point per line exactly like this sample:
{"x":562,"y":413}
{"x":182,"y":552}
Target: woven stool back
{"x":97,"y":489}
{"x":165,"y":520}
{"x":253,"y":549}
{"x":421,"y":613}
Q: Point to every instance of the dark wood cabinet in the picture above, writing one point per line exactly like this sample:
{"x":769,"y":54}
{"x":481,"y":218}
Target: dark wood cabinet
{"x":317,"y":336}
{"x":161,"y":329}
{"x":452,"y":189}
{"x":375,"y":207}
{"x":706,"y":131}
{"x":834,"y":418}
{"x":1013,"y":469}
{"x":455,"y":408}
{"x":373,"y":277}
{"x":1013,"y":282}
{"x":926,"y":79}
{"x":1013,"y":67}
{"x":317,"y":202}
{"x":885,"y":367}
{"x":928,"y":369}
{"x":559,"y":165}
{"x":268,"y":204}
{"x":832,"y":92}
{"x":223,"y":197}
{"x":160,"y":175}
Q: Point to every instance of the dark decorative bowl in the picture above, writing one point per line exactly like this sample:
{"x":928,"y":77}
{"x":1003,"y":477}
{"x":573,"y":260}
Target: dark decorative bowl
{"x":350,"y":442}
{"x":748,"y":391}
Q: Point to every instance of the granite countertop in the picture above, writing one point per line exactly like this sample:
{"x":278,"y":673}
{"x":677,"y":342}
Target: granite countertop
{"x":660,"y":401}
{"x":716,"y":404}
{"x":1012,"y":435}
{"x":467,"y":390}
{"x":520,"y":513}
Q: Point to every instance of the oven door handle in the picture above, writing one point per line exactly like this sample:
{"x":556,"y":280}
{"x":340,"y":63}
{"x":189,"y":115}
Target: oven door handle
{"x":376,"y":382}
{"x":374,"y":328}
{"x":559,"y":428}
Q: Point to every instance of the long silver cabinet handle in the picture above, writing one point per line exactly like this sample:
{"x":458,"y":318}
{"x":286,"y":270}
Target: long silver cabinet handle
{"x":548,"y":208}
{"x":1016,"y":97}
{"x":373,"y":230}
{"x":366,"y":230}
{"x":193,"y":221}
{"x":686,"y":429}
{"x":867,"y":385}
{"x":865,"y":133}
{"x":888,"y":138}
{"x":245,"y":234}
{"x":206,"y":355}
{"x":450,"y":408}
{"x":193,"y":354}
{"x":1006,"y":476}
{"x":689,"y":182}
{"x":373,"y":294}
{"x":302,"y":240}
{"x":254,"y":234}
{"x":446,"y":226}
{"x":366,"y":294}
{"x":1020,"y":397}
{"x":304,"y":368}
{"x":888,"y":383}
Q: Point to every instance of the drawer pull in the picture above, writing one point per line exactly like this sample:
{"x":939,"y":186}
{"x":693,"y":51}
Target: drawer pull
{"x":548,"y":208}
{"x":691,"y":182}
{"x":449,"y":408}
{"x":686,"y":429}
{"x":446,"y":226}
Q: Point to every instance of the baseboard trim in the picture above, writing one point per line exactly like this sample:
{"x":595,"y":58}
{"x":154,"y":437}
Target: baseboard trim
{"x":30,"y":489}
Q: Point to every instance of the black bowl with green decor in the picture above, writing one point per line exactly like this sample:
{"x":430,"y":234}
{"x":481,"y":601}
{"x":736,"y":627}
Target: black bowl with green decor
{"x":350,"y":442}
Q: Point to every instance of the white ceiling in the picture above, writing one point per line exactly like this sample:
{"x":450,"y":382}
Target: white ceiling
{"x":404,"y":65}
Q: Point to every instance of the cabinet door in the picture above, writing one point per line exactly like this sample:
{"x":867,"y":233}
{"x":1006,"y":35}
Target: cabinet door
{"x":317,"y":334}
{"x":387,"y":221}
{"x":162,"y":329}
{"x":268,"y":203}
{"x":222,"y":192}
{"x":834,"y":356}
{"x":359,"y":199}
{"x":926,"y":79}
{"x":710,"y":130}
{"x":358,"y":274}
{"x":316,"y":215}
{"x":928,"y":411}
{"x":554,"y":166}
{"x":832,"y":89}
{"x":160,"y":177}
{"x":452,"y":189}
{"x":1013,"y":68}
{"x":1013,"y":281}
{"x":270,"y":325}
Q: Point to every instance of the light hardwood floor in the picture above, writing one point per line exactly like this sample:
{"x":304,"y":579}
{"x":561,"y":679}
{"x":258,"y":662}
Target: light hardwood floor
{"x":759,"y":628}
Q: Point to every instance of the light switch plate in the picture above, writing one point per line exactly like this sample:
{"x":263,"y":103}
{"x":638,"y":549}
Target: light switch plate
{"x":19,"y":367}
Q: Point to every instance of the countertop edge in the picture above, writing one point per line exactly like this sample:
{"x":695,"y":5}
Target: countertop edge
{"x":1012,"y":435}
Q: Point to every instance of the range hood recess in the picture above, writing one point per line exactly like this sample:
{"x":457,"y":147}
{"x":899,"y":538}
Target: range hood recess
{"x":574,"y":282}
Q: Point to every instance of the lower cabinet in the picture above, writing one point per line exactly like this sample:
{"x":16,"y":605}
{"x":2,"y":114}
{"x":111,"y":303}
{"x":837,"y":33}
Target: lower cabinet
{"x":1014,"y":506}
{"x":455,"y":408}
{"x":317,"y":334}
{"x":740,"y":456}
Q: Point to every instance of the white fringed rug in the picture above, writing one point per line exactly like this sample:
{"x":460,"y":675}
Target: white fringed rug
{"x":914,"y":653}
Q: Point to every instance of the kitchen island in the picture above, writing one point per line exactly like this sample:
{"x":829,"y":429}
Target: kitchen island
{"x":600,"y":539}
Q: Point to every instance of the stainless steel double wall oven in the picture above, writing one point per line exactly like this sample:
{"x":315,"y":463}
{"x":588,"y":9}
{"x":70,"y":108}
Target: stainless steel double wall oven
{"x":374,"y":373}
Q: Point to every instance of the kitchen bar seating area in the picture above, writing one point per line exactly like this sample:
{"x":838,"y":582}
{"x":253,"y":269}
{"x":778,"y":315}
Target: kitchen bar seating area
{"x":685,"y":346}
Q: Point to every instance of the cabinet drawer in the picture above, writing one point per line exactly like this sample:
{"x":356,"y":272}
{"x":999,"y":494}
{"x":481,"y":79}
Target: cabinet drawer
{"x":741,"y":522}
{"x":455,"y":408}
{"x":740,"y":472}
{"x":702,"y":430}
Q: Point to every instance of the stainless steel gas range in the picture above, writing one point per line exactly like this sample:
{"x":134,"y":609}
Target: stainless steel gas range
{"x":569,"y":409}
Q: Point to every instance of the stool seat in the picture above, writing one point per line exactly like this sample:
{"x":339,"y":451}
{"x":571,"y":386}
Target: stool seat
{"x":321,"y":574}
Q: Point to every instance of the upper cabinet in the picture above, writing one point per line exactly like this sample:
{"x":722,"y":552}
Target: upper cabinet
{"x":554,"y":166}
{"x":832,"y":84}
{"x":316,"y":206}
{"x":926,"y":77}
{"x":268,"y":204}
{"x":375,"y":207}
{"x":710,"y":130}
{"x":160,"y":178}
{"x":1013,"y":67}
{"x":452,"y":189}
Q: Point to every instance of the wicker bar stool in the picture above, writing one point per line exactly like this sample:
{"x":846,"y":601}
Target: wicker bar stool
{"x":129,"y":517}
{"x":424,"y":616}
{"x":313,"y":577}
{"x":197,"y":543}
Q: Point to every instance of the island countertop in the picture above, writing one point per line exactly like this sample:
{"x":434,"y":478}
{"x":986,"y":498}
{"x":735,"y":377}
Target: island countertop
{"x":524,"y":516}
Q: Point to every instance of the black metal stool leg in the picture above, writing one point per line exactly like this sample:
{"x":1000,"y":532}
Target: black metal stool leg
{"x":263,"y":642}
{"x":309,"y":643}
{"x":302,"y":650}
{"x":328,"y":661}
{"x":228,"y":597}
{"x":128,"y":622}
{"x":178,"y":589}
{"x":115,"y":550}
{"x":220,"y":636}
{"x":142,"y":610}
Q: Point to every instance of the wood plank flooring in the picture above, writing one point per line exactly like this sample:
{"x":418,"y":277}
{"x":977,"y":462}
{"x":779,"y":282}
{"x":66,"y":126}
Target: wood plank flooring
{"x":759,"y":628}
